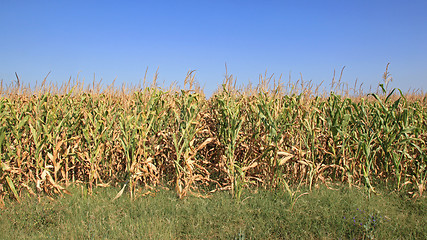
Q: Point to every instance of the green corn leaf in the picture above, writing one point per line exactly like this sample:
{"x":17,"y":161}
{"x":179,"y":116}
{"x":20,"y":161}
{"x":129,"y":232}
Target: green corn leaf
{"x":22,"y":122}
{"x":2,"y":136}
{"x":34,"y":134}
{"x":12,"y":188}
{"x":389,"y":95}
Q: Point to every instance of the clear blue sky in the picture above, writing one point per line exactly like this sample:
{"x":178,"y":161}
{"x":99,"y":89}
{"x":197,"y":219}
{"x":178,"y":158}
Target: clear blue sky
{"x":120,"y":39}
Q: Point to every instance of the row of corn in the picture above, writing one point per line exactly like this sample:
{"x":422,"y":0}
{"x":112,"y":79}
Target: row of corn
{"x":232,"y":141}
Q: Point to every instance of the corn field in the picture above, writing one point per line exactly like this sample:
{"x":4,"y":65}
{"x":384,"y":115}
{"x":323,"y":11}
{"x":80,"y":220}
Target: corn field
{"x":268,"y":136}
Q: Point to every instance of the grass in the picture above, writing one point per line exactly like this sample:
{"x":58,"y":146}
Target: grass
{"x":261,"y":214}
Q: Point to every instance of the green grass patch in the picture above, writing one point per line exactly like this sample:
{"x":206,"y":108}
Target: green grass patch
{"x":323,"y":213}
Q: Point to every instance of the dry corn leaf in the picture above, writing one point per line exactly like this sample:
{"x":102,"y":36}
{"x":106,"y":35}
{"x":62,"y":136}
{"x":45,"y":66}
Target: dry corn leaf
{"x":244,"y":169}
{"x":119,"y":194}
{"x":46,"y":176}
{"x":285,"y":159}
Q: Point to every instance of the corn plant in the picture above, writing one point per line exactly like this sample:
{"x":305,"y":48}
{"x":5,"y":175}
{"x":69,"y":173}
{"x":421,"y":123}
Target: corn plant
{"x":230,"y":120}
{"x":186,"y":110}
{"x":339,"y":122}
{"x":268,"y":113}
{"x":395,"y":133}
{"x":6,"y":177}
